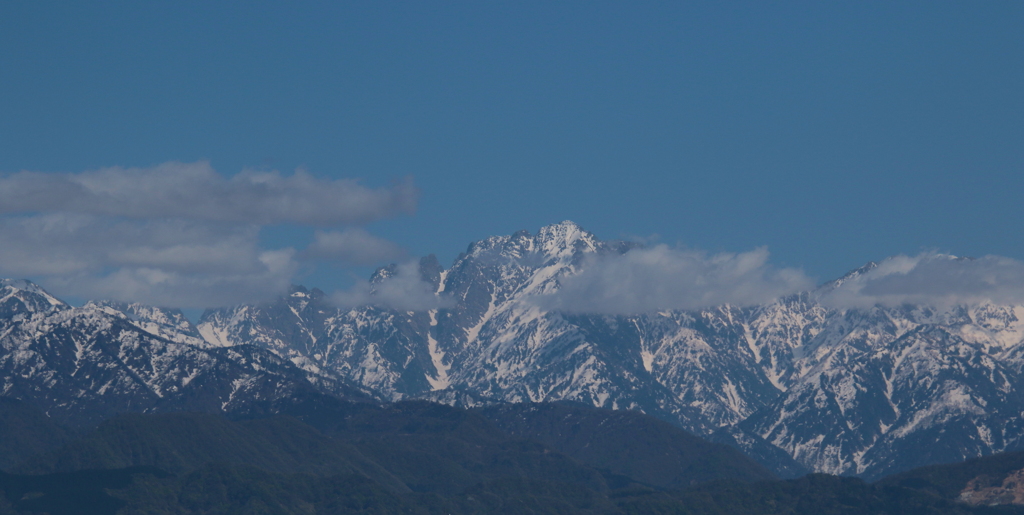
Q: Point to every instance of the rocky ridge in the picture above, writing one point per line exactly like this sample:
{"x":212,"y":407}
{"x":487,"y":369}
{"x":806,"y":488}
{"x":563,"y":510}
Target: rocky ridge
{"x":799,"y":384}
{"x":858,"y":391}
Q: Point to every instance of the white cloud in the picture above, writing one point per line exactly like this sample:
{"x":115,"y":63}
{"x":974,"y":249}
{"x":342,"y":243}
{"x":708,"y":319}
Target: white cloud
{"x":401,"y":289}
{"x":164,"y":287}
{"x":165,"y":262}
{"x":181,"y":235}
{"x":196,"y":191}
{"x":645,"y":280}
{"x":932,"y":279}
{"x":352,"y":246}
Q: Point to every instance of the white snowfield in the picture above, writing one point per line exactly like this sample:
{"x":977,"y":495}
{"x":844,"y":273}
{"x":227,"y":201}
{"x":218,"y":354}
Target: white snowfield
{"x":856,"y":391}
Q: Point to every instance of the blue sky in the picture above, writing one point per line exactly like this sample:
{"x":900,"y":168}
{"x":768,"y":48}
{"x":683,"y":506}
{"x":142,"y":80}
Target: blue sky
{"x":832,"y":133}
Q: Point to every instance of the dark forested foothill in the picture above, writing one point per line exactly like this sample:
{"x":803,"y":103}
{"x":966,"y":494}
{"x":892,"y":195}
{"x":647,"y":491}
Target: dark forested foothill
{"x":318,"y":454}
{"x":25,"y":431}
{"x":648,"y":450}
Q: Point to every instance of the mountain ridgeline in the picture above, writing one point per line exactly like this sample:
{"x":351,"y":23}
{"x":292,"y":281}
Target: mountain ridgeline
{"x":795,"y":384}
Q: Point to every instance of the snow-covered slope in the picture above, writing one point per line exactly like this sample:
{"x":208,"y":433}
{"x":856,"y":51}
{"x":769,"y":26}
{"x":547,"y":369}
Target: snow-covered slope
{"x":857,"y":391}
{"x":884,"y":390}
{"x":83,"y":364}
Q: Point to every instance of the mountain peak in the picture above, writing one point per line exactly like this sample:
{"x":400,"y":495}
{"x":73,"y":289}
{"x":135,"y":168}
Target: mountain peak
{"x":565,"y":238}
{"x":43,"y":298}
{"x":21,"y":284}
{"x":555,"y":241}
{"x":567,"y":227}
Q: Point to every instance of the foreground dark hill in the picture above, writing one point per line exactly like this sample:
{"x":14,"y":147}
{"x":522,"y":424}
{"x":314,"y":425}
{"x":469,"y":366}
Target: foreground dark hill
{"x":991,"y":480}
{"x":26,"y":432}
{"x":319,"y":454}
{"x":322,"y":451}
{"x":437,"y":448}
{"x":218,"y":488}
{"x":180,"y":443}
{"x":814,"y":494}
{"x":646,"y":449}
{"x":422,"y":452}
{"x":421,"y":441}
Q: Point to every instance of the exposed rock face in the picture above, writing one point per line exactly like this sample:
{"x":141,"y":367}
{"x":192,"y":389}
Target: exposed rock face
{"x":860,"y":391}
{"x":845,"y":391}
{"x":983,"y":491}
{"x":81,"y":365}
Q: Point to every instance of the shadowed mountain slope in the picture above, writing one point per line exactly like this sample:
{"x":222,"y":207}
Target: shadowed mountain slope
{"x":26,"y":432}
{"x":629,"y":443}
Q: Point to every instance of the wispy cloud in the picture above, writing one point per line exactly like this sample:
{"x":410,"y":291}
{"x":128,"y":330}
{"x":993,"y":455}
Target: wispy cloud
{"x":167,"y":287}
{"x":196,"y":191}
{"x":60,"y":244}
{"x":645,"y":280}
{"x":352,"y":246}
{"x":932,"y":279}
{"x":181,"y":234}
{"x":400,"y":287}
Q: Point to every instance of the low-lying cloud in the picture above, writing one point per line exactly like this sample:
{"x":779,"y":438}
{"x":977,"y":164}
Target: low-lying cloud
{"x":182,"y":235}
{"x":645,"y":280}
{"x":65,"y":244}
{"x":401,"y":289}
{"x":179,"y":263}
{"x":167,"y":287}
{"x":932,"y":279}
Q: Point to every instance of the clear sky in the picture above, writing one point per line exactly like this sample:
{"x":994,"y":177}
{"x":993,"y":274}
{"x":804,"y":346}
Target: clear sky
{"x":833,"y":133}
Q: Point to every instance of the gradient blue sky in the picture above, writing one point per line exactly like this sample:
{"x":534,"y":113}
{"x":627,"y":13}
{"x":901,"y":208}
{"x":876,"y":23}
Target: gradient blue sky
{"x":831,"y":132}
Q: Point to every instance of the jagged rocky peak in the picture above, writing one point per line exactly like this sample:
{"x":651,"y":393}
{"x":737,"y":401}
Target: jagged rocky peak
{"x":22,"y":297}
{"x":429,"y":268}
{"x":143,"y":312}
{"x":556,"y":240}
{"x":863,"y":390}
{"x":566,"y":238}
{"x":849,"y":276}
{"x":858,"y":273}
{"x":168,"y":323}
{"x":21,"y":284}
{"x":300,"y":291}
{"x":431,"y":271}
{"x":300,"y":297}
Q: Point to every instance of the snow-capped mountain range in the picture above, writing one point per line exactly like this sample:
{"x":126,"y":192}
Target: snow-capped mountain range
{"x":865,"y":391}
{"x":83,"y":364}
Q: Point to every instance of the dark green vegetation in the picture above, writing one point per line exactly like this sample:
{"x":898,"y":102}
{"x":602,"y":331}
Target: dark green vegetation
{"x":629,"y":443}
{"x":949,"y":480}
{"x":25,"y":432}
{"x":81,"y":492}
{"x":316,"y":454}
{"x":811,"y":494}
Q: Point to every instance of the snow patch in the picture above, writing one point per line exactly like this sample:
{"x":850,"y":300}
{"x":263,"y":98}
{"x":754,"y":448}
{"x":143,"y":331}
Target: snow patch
{"x":648,"y":359}
{"x":440,"y":381}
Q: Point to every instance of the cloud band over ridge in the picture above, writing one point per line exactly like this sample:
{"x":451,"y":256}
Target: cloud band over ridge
{"x":931,"y":279}
{"x":659,"y":278}
{"x":181,"y":234}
